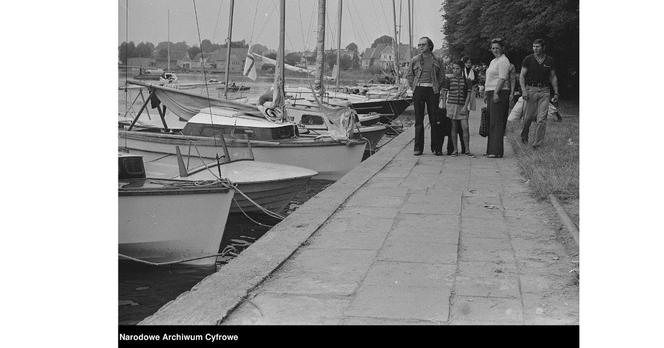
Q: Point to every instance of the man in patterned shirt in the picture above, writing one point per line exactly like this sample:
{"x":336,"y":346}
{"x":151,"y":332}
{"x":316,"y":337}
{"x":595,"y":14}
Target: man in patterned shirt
{"x":425,"y":76}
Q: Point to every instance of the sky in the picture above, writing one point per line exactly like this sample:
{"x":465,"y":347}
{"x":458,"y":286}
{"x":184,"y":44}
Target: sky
{"x":257,"y":21}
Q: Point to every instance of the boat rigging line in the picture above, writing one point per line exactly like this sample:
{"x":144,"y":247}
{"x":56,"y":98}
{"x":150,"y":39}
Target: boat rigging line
{"x":207,"y":90}
{"x":253,"y":23}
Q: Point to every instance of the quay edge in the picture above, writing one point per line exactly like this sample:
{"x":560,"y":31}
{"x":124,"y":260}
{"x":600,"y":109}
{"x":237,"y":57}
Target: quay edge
{"x":212,"y":299}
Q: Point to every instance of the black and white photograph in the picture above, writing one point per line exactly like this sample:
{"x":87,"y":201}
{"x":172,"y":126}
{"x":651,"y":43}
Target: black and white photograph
{"x":291,"y":171}
{"x":276,"y":165}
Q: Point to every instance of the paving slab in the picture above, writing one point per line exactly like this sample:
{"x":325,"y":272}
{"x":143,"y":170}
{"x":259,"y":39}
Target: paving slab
{"x":387,"y":273}
{"x":427,"y":228}
{"x":413,"y":251}
{"x":492,"y":309}
{"x":322,"y":271}
{"x":487,"y":279}
{"x":285,"y":309}
{"x":486,"y":249}
{"x":420,"y":303}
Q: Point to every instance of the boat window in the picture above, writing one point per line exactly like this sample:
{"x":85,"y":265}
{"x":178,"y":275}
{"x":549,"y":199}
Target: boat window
{"x":311,"y":120}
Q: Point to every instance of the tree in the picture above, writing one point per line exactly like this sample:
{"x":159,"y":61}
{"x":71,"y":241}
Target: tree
{"x":345,"y":63}
{"x":207,"y":46}
{"x":330,"y":59}
{"x":352,"y":47}
{"x":126,"y":50}
{"x":260,"y":49}
{"x":469,"y":26}
{"x":144,"y":49}
{"x":293,"y":58}
{"x":385,"y":39}
{"x":162,"y":53}
{"x":193,"y":51}
{"x":236,"y":44}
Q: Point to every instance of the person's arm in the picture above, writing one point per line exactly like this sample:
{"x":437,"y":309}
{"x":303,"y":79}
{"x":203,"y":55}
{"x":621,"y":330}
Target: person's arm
{"x":469,"y":92}
{"x":410,"y":76}
{"x":522,"y":82}
{"x":512,"y":83}
{"x":554,"y":83}
{"x":443,"y":94}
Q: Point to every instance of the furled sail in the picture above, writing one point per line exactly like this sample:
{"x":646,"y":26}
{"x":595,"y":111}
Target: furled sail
{"x":185,"y":105}
{"x":289,"y":67}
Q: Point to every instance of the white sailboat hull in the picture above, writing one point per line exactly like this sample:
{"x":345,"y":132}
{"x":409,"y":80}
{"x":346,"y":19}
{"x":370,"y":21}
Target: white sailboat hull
{"x":331,"y":160}
{"x":167,"y":228}
{"x":271,"y":185}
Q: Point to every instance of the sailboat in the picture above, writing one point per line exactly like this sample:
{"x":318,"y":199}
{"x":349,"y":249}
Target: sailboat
{"x":269,"y":133}
{"x":167,"y":220}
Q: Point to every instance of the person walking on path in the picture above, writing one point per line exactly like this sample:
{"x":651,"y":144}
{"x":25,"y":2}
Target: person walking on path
{"x":456,"y":95}
{"x":426,"y":74}
{"x":497,"y":98}
{"x":537,"y":72}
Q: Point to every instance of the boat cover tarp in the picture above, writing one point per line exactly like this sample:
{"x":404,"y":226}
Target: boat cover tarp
{"x":185,"y":105}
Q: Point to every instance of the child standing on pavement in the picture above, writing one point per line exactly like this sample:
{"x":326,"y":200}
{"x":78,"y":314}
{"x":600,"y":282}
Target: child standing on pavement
{"x":456,"y":95}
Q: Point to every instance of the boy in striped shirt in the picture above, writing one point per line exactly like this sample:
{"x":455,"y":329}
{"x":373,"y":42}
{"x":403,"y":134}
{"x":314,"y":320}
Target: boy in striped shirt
{"x":455,"y":97}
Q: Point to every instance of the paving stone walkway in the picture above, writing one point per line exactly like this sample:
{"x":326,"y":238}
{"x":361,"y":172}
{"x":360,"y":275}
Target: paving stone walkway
{"x":426,"y":240}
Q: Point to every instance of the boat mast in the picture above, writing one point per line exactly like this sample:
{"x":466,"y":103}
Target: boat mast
{"x":338,"y":77}
{"x":168,"y":47}
{"x":278,"y":95}
{"x":410,"y":33}
{"x":396,"y":44}
{"x":320,"y":48}
{"x":228,"y":48}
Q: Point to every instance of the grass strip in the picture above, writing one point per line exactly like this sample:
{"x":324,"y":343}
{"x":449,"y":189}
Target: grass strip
{"x":553,"y":168}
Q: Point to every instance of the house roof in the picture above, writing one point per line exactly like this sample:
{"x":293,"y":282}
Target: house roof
{"x":373,"y":53}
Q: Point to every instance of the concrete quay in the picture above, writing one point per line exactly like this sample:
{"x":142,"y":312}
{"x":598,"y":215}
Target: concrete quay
{"x":401,"y":239}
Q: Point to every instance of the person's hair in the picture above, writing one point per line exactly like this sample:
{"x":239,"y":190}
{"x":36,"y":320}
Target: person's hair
{"x":539,"y":42}
{"x":459,"y":63}
{"x":465,"y":59}
{"x":498,"y":41}
{"x":429,"y":42}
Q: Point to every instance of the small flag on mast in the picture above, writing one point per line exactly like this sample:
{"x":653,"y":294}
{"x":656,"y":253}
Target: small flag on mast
{"x":250,"y":67}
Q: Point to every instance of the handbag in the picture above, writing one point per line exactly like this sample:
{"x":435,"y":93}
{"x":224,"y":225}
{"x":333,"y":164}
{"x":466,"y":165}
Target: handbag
{"x":518,"y":110}
{"x":484,"y":123}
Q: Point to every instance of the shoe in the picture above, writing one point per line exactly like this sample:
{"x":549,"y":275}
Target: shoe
{"x":439,"y":153}
{"x":454,"y":154}
{"x":417,"y":153}
{"x":469,"y":154}
{"x":491,"y":156}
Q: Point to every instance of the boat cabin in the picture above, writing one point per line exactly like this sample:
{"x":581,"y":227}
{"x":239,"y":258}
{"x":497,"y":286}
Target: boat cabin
{"x":242,"y":125}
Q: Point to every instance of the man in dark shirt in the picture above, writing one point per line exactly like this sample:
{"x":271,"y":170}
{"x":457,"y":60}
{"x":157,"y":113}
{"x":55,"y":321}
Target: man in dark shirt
{"x":537,"y":72}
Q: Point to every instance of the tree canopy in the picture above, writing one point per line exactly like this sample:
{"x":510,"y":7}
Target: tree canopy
{"x":471,"y":24}
{"x":385,"y":39}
